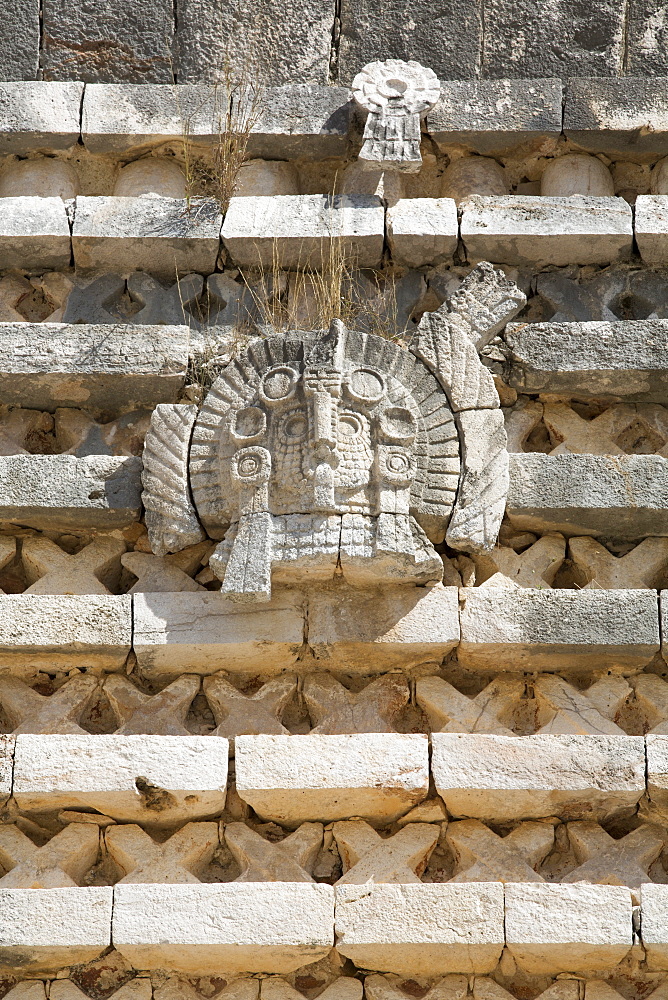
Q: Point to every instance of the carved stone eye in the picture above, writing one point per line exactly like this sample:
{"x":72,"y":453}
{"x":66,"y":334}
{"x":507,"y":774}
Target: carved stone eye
{"x":350,"y":426}
{"x":295,"y":427}
{"x":395,"y":465}
{"x":366,"y":385}
{"x":251,"y":465}
{"x":278,"y":384}
{"x":398,"y":424}
{"x":249,"y":424}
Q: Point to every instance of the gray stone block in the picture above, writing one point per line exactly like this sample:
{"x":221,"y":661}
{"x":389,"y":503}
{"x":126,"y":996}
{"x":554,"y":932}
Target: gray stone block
{"x":39,"y":116}
{"x":647,"y":39}
{"x":628,"y":116}
{"x":108,"y":41}
{"x":19,"y":40}
{"x":651,"y":225}
{"x":62,"y":493}
{"x":626,"y":360}
{"x":164,"y":236}
{"x":621,"y":496}
{"x":302,"y":120}
{"x":110,"y":368}
{"x":468,"y":113}
{"x":422,"y":231}
{"x":34,"y":234}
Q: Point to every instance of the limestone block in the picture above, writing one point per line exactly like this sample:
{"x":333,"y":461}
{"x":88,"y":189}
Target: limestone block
{"x":421,"y":930}
{"x":357,"y":178}
{"x":559,"y":928}
{"x":154,"y":175}
{"x":300,"y":119}
{"x":483,"y":856}
{"x":44,"y":177}
{"x":627,"y":115}
{"x":205,"y":928}
{"x":624,"y":359}
{"x":166,"y":236}
{"x":387,"y":988}
{"x":537,"y":566}
{"x":557,"y":629}
{"x":658,"y":183}
{"x":298,"y":230}
{"x":61,"y":492}
{"x":293,"y":779}
{"x":154,"y":780}
{"x":95,"y":569}
{"x":334,"y":709}
{"x":28,"y":711}
{"x":34,"y":234}
{"x":64,"y":860}
{"x":422,"y":231}
{"x":29,"y":989}
{"x":615,"y":294}
{"x":36,"y":115}
{"x":654,"y":907}
{"x":368,"y":857}
{"x":39,"y":632}
{"x":651,"y":227}
{"x":200,"y":632}
{"x":473,"y":175}
{"x":450,"y":711}
{"x":603,"y":859}
{"x":657,"y":770}
{"x":343,"y":988}
{"x":576,"y":173}
{"x":19,"y":45}
{"x":180,"y":858}
{"x":266,"y":177}
{"x":161,"y":714}
{"x":503,"y":778}
{"x":110,"y":368}
{"x":42,"y":930}
{"x":369,"y":631}
{"x":585,"y":494}
{"x":291,"y":859}
{"x":6,"y":766}
{"x":643,"y":566}
{"x":534,"y":231}
{"x":236,"y":713}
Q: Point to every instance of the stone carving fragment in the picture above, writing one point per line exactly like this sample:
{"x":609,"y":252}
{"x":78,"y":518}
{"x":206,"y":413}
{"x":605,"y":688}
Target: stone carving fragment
{"x":289,"y":860}
{"x":180,"y":858}
{"x":334,"y":709}
{"x":238,"y":714}
{"x":482,"y":856}
{"x":63,"y":861}
{"x":607,"y":861}
{"x":367,"y":857}
{"x":28,"y":711}
{"x":161,"y":714}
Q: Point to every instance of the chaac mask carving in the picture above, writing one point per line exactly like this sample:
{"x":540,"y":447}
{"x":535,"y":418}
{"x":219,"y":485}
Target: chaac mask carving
{"x":317,"y":454}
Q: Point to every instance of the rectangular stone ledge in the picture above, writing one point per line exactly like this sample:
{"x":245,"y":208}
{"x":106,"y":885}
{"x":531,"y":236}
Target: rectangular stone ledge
{"x":62,"y":492}
{"x":153,"y":780}
{"x":301,"y":120}
{"x":300,"y":230}
{"x":494,"y":116}
{"x":657,"y":771}
{"x":586,"y":494}
{"x":506,"y":778}
{"x":200,"y":633}
{"x":626,"y":360}
{"x":422,"y":231}
{"x":651,"y":225}
{"x":296,"y":779}
{"x":422,"y":929}
{"x":535,"y":231}
{"x":654,"y":924}
{"x":568,"y":928}
{"x":42,"y":930}
{"x":627,"y":115}
{"x":573,"y":630}
{"x":34,"y":234}
{"x":236,"y":927}
{"x":165,"y":236}
{"x":373,"y":631}
{"x":111,"y":368}
{"x":6,"y":767}
{"x":39,"y":115}
{"x":46,"y":631}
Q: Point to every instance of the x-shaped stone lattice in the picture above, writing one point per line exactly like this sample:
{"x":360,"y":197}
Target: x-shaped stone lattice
{"x":564,"y":709}
{"x":537,"y":566}
{"x":520,"y":420}
{"x":335,"y":710}
{"x":160,"y":574}
{"x":180,"y":858}
{"x":139,"y":988}
{"x":161,"y":714}
{"x":387,"y":988}
{"x":28,"y":711}
{"x":180,"y":989}
{"x":78,"y":434}
{"x":367,"y":856}
{"x":22,"y":430}
{"x":93,"y":570}
{"x":651,"y":696}
{"x":562,"y":989}
{"x":643,"y":567}
{"x":625,"y":428}
{"x":343,"y":988}
{"x":63,"y":861}
{"x":602,"y":859}
{"x":288,"y":860}
{"x":450,"y":711}
{"x":239,"y":714}
{"x":482,"y":856}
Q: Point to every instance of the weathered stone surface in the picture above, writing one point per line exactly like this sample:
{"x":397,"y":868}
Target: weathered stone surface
{"x":422,"y":930}
{"x":627,"y":115}
{"x":367,"y":857}
{"x":152,"y":175}
{"x":299,"y":119}
{"x":180,"y":858}
{"x":248,"y":714}
{"x":527,"y":230}
{"x":617,"y":293}
{"x":28,"y":711}
{"x":43,"y":177}
{"x":653,"y":901}
{"x":156,"y":574}
{"x":576,"y":174}
{"x":6,"y":766}
{"x":422,"y":231}
{"x":556,"y":928}
{"x":536,"y":566}
{"x":34,"y":234}
{"x":503,"y":778}
{"x":483,"y":487}
{"x":587,"y":494}
{"x":205,"y":928}
{"x":62,"y":861}
{"x":110,"y":368}
{"x":651,"y":228}
{"x":473,"y":175}
{"x":644,"y":566}
{"x":451,"y":987}
{"x":557,"y":629}
{"x":19,"y":41}
{"x":565,"y":709}
{"x":289,"y":860}
{"x":266,"y":177}
{"x":483,"y":856}
{"x":334,"y":709}
{"x":450,"y":711}
{"x":293,"y":779}
{"x":161,"y":714}
{"x":603,"y":859}
{"x":34,"y":115}
{"x":95,"y":569}
{"x":155,"y":780}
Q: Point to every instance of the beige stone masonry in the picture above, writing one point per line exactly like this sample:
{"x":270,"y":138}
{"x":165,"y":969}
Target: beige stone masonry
{"x":603,"y":859}
{"x":385,"y":988}
{"x":63,"y":861}
{"x":565,"y":709}
{"x":450,"y":711}
{"x":139,"y":988}
{"x":343,"y":988}
{"x":161,"y":714}
{"x":34,"y":234}
{"x":367,"y":857}
{"x":536,"y":567}
{"x":483,"y":856}
{"x":178,"y":988}
{"x":422,"y":231}
{"x":92,"y":570}
{"x":239,"y":714}
{"x":181,"y":858}
{"x":7,"y":746}
{"x":28,"y":711}
{"x":39,"y":115}
{"x":334,"y":709}
{"x":289,"y":860}
{"x":643,"y":567}
{"x":654,"y":933}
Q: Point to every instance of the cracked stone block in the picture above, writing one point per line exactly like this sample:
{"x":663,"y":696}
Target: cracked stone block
{"x":61,"y":492}
{"x":111,"y":368}
{"x":165,"y":236}
{"x":422,"y":929}
{"x":6,"y":766}
{"x":205,"y":928}
{"x":154,"y":780}
{"x":298,"y":230}
{"x":300,"y":119}
{"x":369,"y":631}
{"x":34,"y":234}
{"x":200,"y":632}
{"x":503,"y":778}
{"x":529,"y":629}
{"x":467,"y":114}
{"x":557,"y":928}
{"x":618,"y":116}
{"x":36,"y":114}
{"x":422,"y":231}
{"x":651,"y":228}
{"x":535,"y":231}
{"x":42,"y":930}
{"x":628,"y":359}
{"x":654,"y":910}
{"x":586,"y":494}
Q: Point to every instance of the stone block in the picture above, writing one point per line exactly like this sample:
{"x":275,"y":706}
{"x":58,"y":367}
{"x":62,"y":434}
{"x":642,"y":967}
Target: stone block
{"x":369,"y":631}
{"x":627,"y":116}
{"x":654,"y":912}
{"x":113,"y":368}
{"x":535,"y":231}
{"x":647,"y":44}
{"x":422,"y":231}
{"x":200,"y":632}
{"x":34,"y":234}
{"x":19,"y":41}
{"x":657,"y":770}
{"x":651,"y":225}
{"x":36,"y":115}
{"x":42,"y":930}
{"x":237,"y":927}
{"x":43,"y":631}
{"x":61,"y":492}
{"x":543,"y":629}
{"x":421,"y":929}
{"x":165,"y":236}
{"x":302,"y":120}
{"x":586,"y":494}
{"x":561,"y":928}
{"x":6,"y":767}
{"x":108,"y":41}
{"x":469,"y":114}
{"x":504,"y":778}
{"x":296,"y":779}
{"x":626,"y":360}
{"x":154,"y":780}
{"x":298,"y":231}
